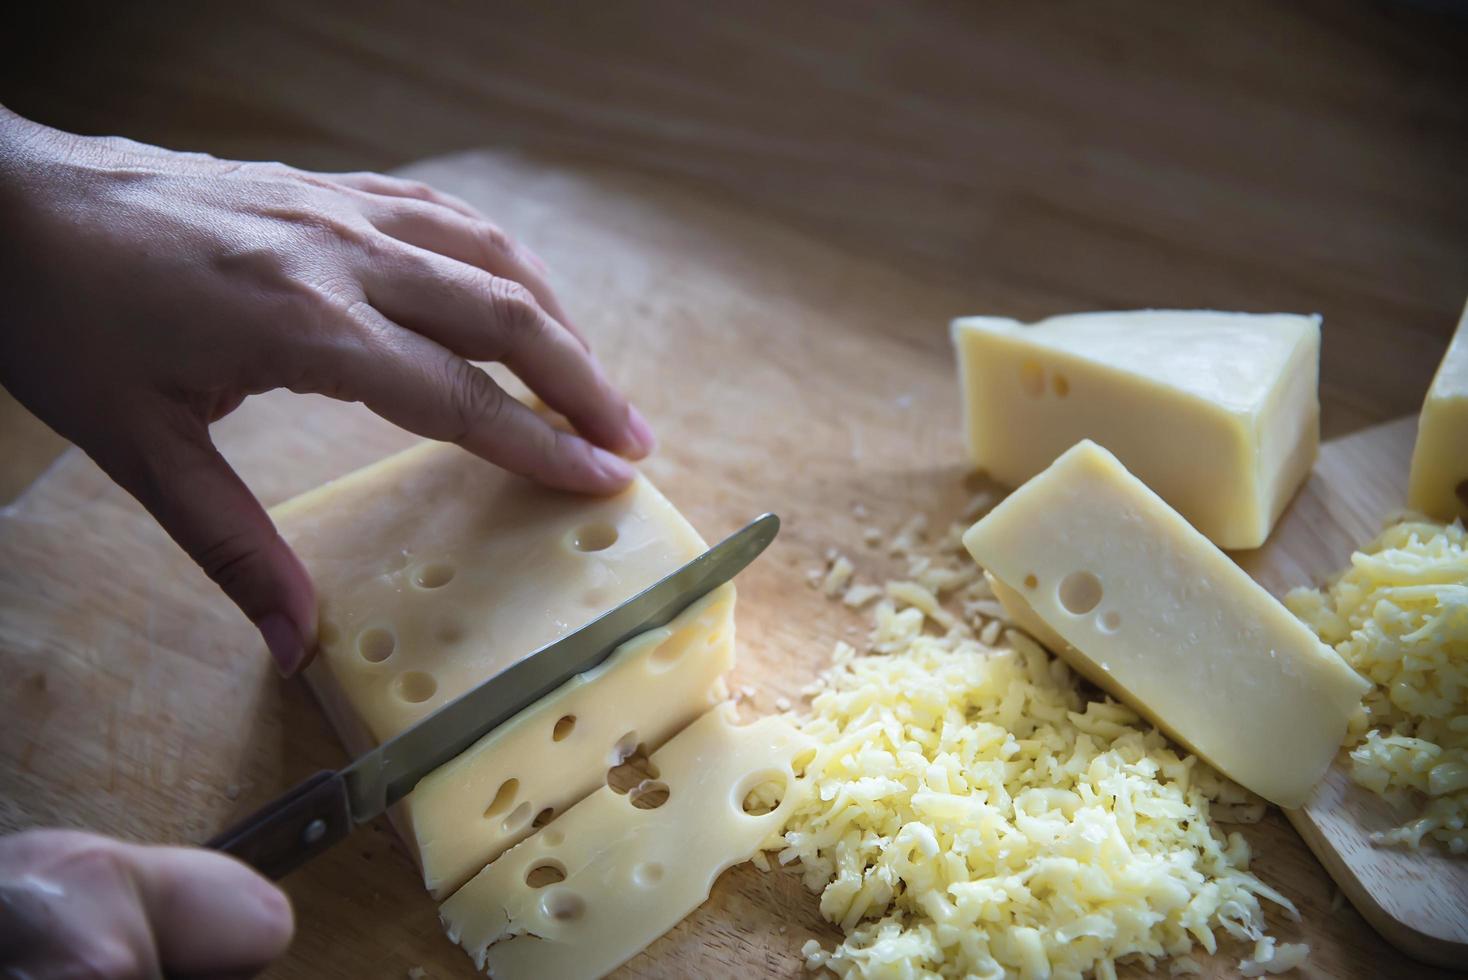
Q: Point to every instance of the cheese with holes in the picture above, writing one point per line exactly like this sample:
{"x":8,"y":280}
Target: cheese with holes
{"x":1439,"y":482}
{"x":627,"y":875}
{"x":1154,"y":613}
{"x":435,"y":571}
{"x":557,"y":751}
{"x":1217,"y":412}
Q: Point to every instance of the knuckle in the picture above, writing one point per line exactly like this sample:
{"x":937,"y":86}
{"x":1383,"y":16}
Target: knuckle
{"x":477,"y":401}
{"x":492,"y":238}
{"x":514,"y":306}
{"x":228,"y":559}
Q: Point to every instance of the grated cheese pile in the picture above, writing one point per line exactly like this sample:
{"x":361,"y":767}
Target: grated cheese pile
{"x":974,"y":816}
{"x":1399,"y":615}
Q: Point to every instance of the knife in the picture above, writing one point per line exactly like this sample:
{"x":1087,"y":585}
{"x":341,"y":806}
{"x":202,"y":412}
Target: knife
{"x":322,"y":810}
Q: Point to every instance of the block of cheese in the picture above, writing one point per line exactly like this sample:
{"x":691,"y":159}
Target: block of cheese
{"x":552,"y":754}
{"x":1217,"y":412}
{"x":435,"y":571}
{"x":1154,"y":613}
{"x":1439,"y":482}
{"x":606,"y":878}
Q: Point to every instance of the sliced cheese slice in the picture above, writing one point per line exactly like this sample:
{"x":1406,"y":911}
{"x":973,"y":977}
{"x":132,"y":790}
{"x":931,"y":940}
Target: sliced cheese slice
{"x":1217,"y":412}
{"x":437,"y":571}
{"x":466,"y":813}
{"x":1151,"y":611}
{"x":628,"y":875}
{"x":1439,"y":482}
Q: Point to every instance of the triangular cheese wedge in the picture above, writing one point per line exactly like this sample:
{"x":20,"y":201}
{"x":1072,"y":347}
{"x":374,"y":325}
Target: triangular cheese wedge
{"x":1216,"y":412}
{"x":1439,"y":485}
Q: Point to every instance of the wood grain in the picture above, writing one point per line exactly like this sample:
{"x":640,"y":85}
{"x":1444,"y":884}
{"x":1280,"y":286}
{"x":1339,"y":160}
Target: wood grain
{"x":807,"y":381}
{"x":1418,"y":900}
{"x":1037,"y":158}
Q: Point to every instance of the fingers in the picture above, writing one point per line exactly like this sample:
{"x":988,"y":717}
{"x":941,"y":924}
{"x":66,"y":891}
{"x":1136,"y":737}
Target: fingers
{"x":78,"y":904}
{"x":176,"y":473}
{"x":482,"y":317}
{"x":418,"y":384}
{"x":210,"y":914}
{"x":472,"y":240}
{"x":386,"y":186}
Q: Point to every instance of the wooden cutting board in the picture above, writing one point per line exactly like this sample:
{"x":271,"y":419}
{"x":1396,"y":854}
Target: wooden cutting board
{"x":781,"y":375}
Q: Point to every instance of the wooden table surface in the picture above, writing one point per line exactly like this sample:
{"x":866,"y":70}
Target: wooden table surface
{"x":1039,"y":158}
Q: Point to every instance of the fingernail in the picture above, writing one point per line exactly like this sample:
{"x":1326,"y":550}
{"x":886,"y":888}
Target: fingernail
{"x":616,"y":469}
{"x":284,"y":642}
{"x":640,"y":431}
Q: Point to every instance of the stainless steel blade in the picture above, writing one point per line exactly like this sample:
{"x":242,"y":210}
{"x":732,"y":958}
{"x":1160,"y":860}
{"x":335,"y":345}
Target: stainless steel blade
{"x":380,"y":778}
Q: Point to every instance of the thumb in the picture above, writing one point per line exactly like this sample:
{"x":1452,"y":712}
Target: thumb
{"x":178,"y":475}
{"x":209,"y":913}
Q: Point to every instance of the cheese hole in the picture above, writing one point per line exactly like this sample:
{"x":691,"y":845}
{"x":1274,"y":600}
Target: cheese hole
{"x":563,"y":906}
{"x":544,"y":873}
{"x":594,"y":537}
{"x":647,"y":874}
{"x":649,"y":794}
{"x":415,"y":687}
{"x":623,"y":749}
{"x":543,"y":817}
{"x":503,"y":797}
{"x":518,"y":818}
{"x":1062,"y":386}
{"x":376,"y":644}
{"x":1032,"y":378}
{"x":551,"y":837}
{"x":434,"y":576}
{"x":327,"y":634}
{"x":450,"y":631}
{"x":564,"y":726}
{"x":1079,"y":593}
{"x":1031,"y":582}
{"x":1110,"y":621}
{"x":802,"y":762}
{"x":762,"y":793}
{"x":665,"y":656}
{"x":636,"y":770}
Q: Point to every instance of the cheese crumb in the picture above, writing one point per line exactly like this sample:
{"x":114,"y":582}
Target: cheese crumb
{"x":972,"y":815}
{"x":1269,"y":958}
{"x":838,"y":575}
{"x":416,"y":973}
{"x":1399,"y":616}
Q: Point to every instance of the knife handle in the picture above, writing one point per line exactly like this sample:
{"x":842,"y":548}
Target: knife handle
{"x":287,"y":832}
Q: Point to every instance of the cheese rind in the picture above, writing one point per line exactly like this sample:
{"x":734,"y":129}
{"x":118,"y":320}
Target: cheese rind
{"x":1439,"y":482}
{"x":558,"y":750}
{"x":1217,"y":412}
{"x":436,"y":571}
{"x":629,"y":874}
{"x":1154,"y":613}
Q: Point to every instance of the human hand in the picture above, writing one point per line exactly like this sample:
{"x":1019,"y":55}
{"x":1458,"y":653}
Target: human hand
{"x":75,"y":905}
{"x":145,"y":293}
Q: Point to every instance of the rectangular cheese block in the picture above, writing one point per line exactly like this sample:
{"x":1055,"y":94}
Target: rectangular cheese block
{"x":1154,"y":613}
{"x":435,"y":571}
{"x":1217,"y":412}
{"x":552,"y":754}
{"x":601,"y":882}
{"x":1439,"y":481}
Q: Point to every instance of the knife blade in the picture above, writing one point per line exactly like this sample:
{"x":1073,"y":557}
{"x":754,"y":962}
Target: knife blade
{"x":323,"y":809}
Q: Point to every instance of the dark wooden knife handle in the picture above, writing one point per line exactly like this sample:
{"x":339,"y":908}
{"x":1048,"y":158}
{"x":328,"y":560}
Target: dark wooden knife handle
{"x":288,"y":832}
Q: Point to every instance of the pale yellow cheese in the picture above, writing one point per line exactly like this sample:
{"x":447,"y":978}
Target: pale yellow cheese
{"x":466,"y":813}
{"x":436,"y":571}
{"x":1157,"y":615}
{"x":1439,"y":483}
{"x":630,"y":874}
{"x":1217,"y":412}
